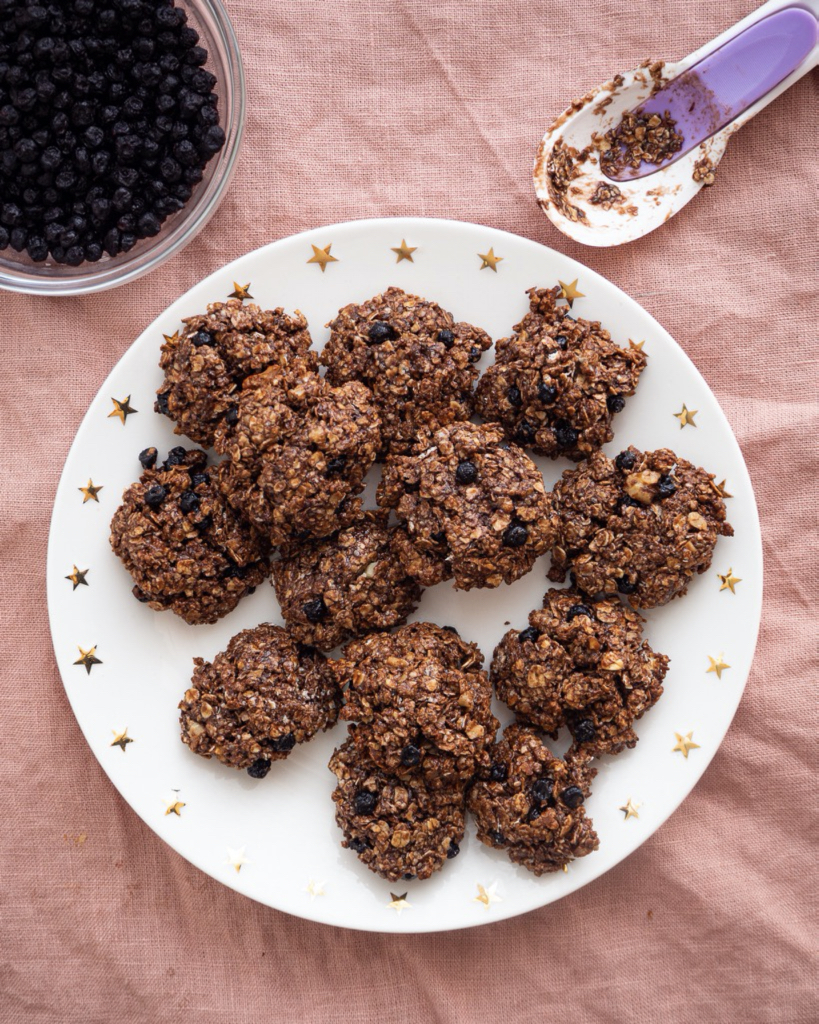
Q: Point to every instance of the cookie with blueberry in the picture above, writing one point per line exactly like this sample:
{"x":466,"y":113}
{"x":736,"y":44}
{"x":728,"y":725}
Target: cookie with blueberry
{"x":472,"y":508}
{"x":206,"y":364}
{"x":182,"y":542}
{"x":421,"y":701}
{"x":418,"y":362}
{"x":400,"y":828}
{"x":642,"y":524}
{"x":257,"y":699}
{"x":298,"y":451}
{"x":344,"y":586}
{"x":583,"y":665}
{"x":557,"y":381}
{"x":531,"y":804}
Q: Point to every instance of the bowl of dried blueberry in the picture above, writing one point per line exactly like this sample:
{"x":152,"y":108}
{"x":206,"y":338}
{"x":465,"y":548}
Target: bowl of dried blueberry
{"x":120,"y":124}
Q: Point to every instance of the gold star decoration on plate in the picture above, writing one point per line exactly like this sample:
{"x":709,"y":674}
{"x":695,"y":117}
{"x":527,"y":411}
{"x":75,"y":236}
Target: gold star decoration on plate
{"x":569,"y":292}
{"x":636,"y":346}
{"x":490,"y":260}
{"x":121,"y":739}
{"x":314,"y":888}
{"x":686,"y":416}
{"x":171,"y":338}
{"x":487,"y":895}
{"x":240,"y":291}
{"x":718,"y":665}
{"x":174,"y":807}
{"x":629,"y":808}
{"x":77,"y":577}
{"x":728,"y":581}
{"x":399,"y":903}
{"x":90,"y":492}
{"x":88,"y":658}
{"x":122,"y":409}
{"x":685,"y":744}
{"x":720,"y":489}
{"x":236,"y":858}
{"x":322,"y":256}
{"x":404,"y":251}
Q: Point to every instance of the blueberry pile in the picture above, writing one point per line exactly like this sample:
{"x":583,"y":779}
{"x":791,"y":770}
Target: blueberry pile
{"x":107,"y":121}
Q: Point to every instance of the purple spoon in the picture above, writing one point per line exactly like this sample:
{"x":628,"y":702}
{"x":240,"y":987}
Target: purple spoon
{"x":717,"y":89}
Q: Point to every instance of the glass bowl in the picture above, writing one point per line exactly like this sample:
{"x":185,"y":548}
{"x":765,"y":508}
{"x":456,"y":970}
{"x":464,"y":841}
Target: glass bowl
{"x":20,"y":274}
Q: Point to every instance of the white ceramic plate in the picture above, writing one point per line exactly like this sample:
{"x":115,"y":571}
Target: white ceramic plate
{"x":281,"y":830}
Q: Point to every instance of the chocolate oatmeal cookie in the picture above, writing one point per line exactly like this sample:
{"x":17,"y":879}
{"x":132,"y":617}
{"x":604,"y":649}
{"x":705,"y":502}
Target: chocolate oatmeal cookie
{"x":257,"y":700}
{"x":422,"y":701}
{"x":642,"y":524}
{"x":344,"y":586}
{"x":557,"y":381}
{"x":183,"y":544}
{"x":473,"y":508}
{"x":418,"y":362}
{"x":582,"y":665}
{"x":400,"y":828}
{"x":299,"y":450}
{"x":530,"y":803}
{"x":206,"y":364}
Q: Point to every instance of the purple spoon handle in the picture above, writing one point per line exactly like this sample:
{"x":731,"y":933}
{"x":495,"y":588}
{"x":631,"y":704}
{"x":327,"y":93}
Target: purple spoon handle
{"x":715,"y":91}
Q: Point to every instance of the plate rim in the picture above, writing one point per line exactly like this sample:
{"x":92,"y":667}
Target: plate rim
{"x":397,"y":924}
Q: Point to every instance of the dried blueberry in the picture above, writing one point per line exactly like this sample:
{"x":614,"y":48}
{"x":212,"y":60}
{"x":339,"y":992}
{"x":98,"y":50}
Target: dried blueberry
{"x":475,"y":354}
{"x":452,"y":850}
{"x":315,"y":610}
{"x":380,"y":332}
{"x":176,"y":456}
{"x":525,"y":433}
{"x":666,"y":486}
{"x":232,"y":416}
{"x":438,"y":537}
{"x":565,"y":435}
{"x":283,"y":744}
{"x":198,"y":478}
{"x":155,"y":495}
{"x":201,"y":338}
{"x":625,"y":586}
{"x":547,"y":394}
{"x":467,"y":472}
{"x":447,"y":338}
{"x":259,"y":768}
{"x":615,"y":403}
{"x":572,"y":796}
{"x":148,"y":458}
{"x":578,"y":609}
{"x":451,"y":629}
{"x":562,"y":341}
{"x":189,"y":502}
{"x":626,"y":501}
{"x":358,"y":845}
{"x":364,"y":802}
{"x":336,"y":465}
{"x":497,"y":837}
{"x":542,"y":790}
{"x":410,"y":756}
{"x":204,"y":523}
{"x":625,"y":460}
{"x":584,"y":731}
{"x":516,"y":534}
{"x":530,"y":633}
{"x":498,"y":772}
{"x":513,"y":396}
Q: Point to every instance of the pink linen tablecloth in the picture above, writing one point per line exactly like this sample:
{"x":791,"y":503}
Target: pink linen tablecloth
{"x":364,"y":108}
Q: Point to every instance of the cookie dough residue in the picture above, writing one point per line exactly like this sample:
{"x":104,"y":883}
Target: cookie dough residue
{"x":705,"y":173}
{"x":606,"y":195}
{"x":562,"y":168}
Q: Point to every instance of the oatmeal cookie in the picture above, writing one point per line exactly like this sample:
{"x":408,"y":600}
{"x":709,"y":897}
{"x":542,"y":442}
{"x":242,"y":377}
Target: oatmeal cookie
{"x":257,"y":700}
{"x":299,"y":450}
{"x":582,"y":665}
{"x":183,"y":544}
{"x":400,"y":828}
{"x":344,"y":586}
{"x":422,"y":701}
{"x":418,"y":362}
{"x":205,"y":365}
{"x":557,"y":381}
{"x":642,"y":524}
{"x":530,"y":803}
{"x":472,"y":508}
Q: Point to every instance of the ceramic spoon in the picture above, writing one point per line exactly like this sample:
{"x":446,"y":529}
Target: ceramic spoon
{"x":710,"y":94}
